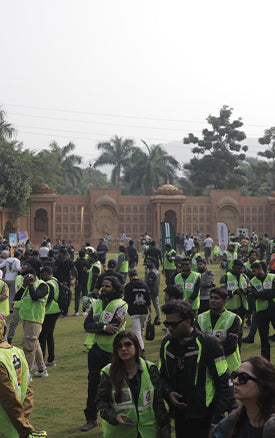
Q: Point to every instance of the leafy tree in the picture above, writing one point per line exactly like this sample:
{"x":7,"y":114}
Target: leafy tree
{"x":222,"y":152}
{"x":7,"y":131}
{"x":147,"y":171}
{"x":117,"y":153}
{"x":257,"y":177}
{"x":69,"y":170}
{"x":91,"y":178}
{"x":269,"y":139}
{"x":15,"y":185}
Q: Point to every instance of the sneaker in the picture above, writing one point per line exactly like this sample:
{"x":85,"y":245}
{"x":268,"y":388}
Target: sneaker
{"x":65,"y":316}
{"x":157,"y":322}
{"x":89,"y":425}
{"x":84,"y":313}
{"x":43,"y":373}
{"x":50,"y":364}
{"x":75,"y":314}
{"x":248,"y":340}
{"x":38,"y":433}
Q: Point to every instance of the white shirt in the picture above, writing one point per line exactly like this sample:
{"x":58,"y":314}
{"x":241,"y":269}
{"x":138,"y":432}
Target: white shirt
{"x":188,"y":244}
{"x":13,"y":267}
{"x":43,"y":252}
{"x":208,"y":242}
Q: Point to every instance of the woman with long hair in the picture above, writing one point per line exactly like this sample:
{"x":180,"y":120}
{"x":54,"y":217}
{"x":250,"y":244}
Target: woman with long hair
{"x":254,"y":387}
{"x":129,"y":394}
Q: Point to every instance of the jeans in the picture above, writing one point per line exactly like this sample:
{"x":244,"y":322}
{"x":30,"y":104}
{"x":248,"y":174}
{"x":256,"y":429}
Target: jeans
{"x":97,"y":359}
{"x":138,"y":323}
{"x":14,"y":323}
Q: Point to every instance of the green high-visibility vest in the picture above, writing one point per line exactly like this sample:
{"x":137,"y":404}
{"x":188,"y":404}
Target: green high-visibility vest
{"x":261,"y":286}
{"x":143,"y":416}
{"x":232,"y":285}
{"x":15,"y":362}
{"x":90,"y":271}
{"x":170,"y":266}
{"x":18,"y":285}
{"x":105,"y":316}
{"x":187,"y":287}
{"x":194,"y":261}
{"x":124,"y":265}
{"x":230,"y":258}
{"x":222,"y":325}
{"x":53,"y":306}
{"x":31,"y":310}
{"x":216,"y":250}
{"x":4,"y":305}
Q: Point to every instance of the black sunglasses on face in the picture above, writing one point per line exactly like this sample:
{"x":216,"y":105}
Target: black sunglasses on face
{"x":126,"y":344}
{"x":172,"y":324}
{"x":243,"y":377}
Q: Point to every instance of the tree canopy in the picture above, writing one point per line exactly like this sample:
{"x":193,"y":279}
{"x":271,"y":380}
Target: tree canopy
{"x":269,"y":140}
{"x":222,"y":154}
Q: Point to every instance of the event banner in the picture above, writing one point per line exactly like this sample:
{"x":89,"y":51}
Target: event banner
{"x":222,"y":236}
{"x":168,"y":235}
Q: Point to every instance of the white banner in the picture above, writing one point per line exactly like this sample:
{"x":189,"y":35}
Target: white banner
{"x":222,"y":236}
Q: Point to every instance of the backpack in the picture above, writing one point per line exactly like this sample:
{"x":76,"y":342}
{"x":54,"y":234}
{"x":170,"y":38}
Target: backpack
{"x":64,"y":298}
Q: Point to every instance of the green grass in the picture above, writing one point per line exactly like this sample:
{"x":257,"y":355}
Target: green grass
{"x":60,"y":399}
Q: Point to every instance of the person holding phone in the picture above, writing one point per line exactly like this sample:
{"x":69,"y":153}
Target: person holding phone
{"x":129,"y":395}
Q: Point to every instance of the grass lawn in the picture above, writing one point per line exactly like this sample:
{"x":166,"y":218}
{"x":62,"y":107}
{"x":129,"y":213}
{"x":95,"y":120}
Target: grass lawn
{"x":60,"y":399}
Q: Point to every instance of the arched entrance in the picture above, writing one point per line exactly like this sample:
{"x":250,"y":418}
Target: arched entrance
{"x":171,"y":217}
{"x":230,"y":216}
{"x":105,"y":221}
{"x":41,"y":222}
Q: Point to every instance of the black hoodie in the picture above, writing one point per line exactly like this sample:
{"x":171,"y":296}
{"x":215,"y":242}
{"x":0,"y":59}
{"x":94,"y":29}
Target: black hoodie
{"x":137,"y":296}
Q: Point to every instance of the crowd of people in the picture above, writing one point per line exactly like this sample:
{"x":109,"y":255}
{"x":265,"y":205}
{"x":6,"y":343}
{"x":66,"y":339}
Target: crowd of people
{"x":200,"y":374}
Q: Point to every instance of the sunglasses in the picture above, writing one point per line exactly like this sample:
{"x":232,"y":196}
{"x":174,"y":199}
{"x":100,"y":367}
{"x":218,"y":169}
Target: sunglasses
{"x":126,"y":344}
{"x":172,"y":324}
{"x":243,"y":377}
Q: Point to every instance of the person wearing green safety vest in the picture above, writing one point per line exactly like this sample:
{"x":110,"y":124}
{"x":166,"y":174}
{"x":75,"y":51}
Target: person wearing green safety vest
{"x":189,"y":283}
{"x":236,"y":283}
{"x":195,"y":256}
{"x":129,"y":395}
{"x":169,"y":263}
{"x":122,"y":261}
{"x":263,"y":290}
{"x":194,"y":373}
{"x":223,"y":324}
{"x":16,"y":304}
{"x":228,"y":257}
{"x":33,"y":297}
{"x":16,"y":394}
{"x":106,"y":318}
{"x":94,"y":272}
{"x":52,"y":312}
{"x":4,"y":298}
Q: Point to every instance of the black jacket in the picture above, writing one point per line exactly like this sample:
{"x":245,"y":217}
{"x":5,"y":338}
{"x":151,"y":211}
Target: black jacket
{"x":180,"y":372}
{"x":137,"y":296}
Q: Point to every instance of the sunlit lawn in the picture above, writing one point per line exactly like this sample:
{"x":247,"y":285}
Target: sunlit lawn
{"x":59,"y":400}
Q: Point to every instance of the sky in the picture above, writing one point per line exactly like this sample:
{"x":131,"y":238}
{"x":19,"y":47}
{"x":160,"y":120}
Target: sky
{"x":86,"y":70}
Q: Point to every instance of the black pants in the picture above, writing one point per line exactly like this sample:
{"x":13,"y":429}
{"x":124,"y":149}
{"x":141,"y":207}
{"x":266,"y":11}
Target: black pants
{"x":263,"y":319}
{"x":80,"y":290}
{"x":46,"y":335}
{"x":169,"y":276}
{"x":198,"y":428}
{"x":97,"y":359}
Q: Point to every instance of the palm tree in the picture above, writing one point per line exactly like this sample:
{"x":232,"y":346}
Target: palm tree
{"x":117,"y":153}
{"x":147,"y":171}
{"x":68,"y":162}
{"x":6,"y":128}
